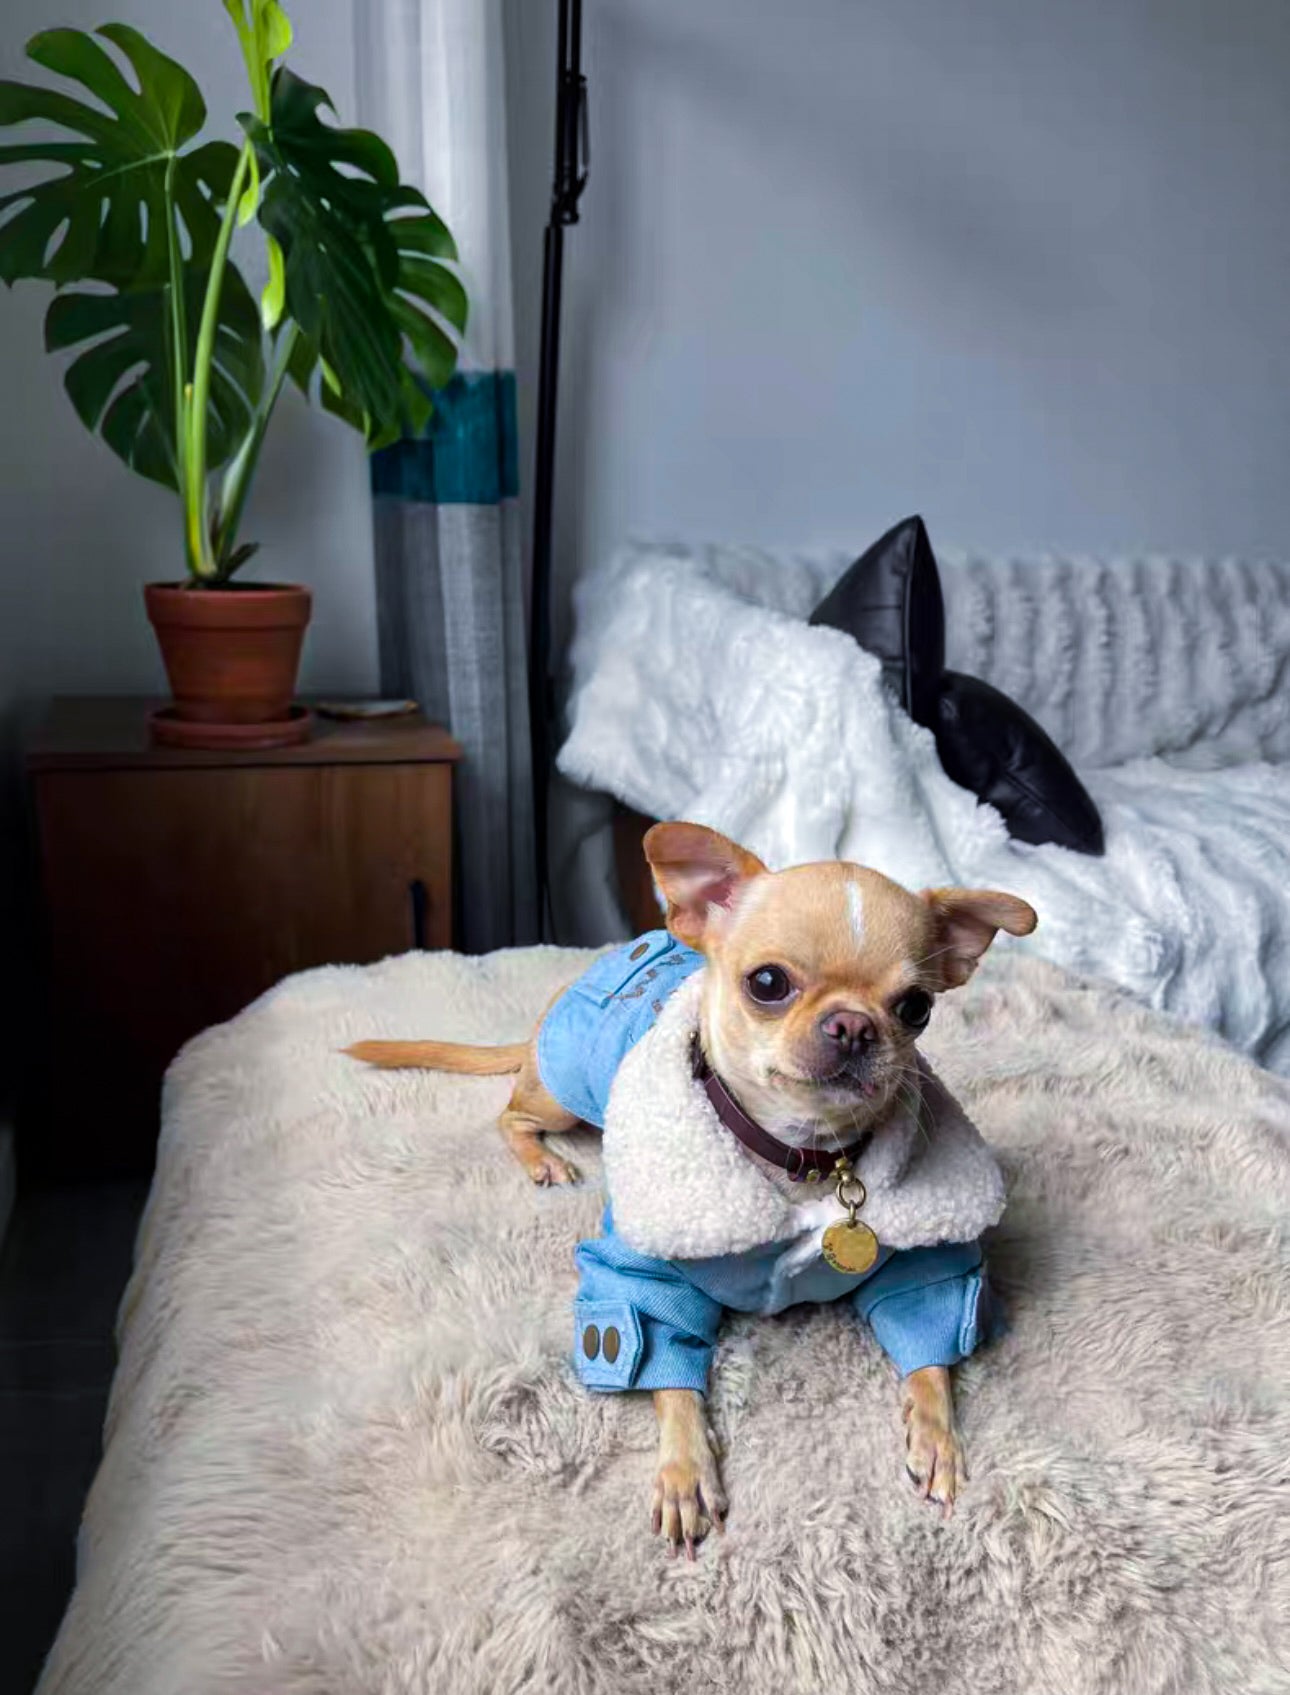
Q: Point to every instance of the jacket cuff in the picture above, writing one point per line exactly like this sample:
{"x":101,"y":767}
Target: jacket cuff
{"x":607,"y":1343}
{"x":617,"y":1347}
{"x":939,"y":1324}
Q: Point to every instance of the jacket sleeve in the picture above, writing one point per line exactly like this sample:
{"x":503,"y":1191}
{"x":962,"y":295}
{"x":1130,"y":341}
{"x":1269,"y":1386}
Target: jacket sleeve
{"x":639,"y":1323}
{"x":929,"y":1306}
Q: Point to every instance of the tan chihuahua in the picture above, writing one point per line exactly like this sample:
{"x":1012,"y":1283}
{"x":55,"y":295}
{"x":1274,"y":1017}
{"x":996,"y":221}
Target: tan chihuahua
{"x":816,"y":982}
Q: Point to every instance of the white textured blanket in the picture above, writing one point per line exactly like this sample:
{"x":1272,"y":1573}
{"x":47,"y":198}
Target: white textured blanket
{"x":1118,"y":659}
{"x":693,"y":700}
{"x":346,"y":1451}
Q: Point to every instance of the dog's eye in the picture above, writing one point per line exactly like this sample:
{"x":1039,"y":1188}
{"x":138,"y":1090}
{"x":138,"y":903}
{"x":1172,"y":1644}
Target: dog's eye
{"x":768,"y":984}
{"x":914,"y":1009}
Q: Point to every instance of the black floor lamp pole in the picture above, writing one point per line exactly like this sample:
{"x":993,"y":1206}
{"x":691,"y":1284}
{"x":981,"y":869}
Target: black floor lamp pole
{"x":569,"y":181}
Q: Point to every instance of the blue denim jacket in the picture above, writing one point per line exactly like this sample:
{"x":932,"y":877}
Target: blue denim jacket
{"x":643,"y":1323}
{"x":649,"y":1323}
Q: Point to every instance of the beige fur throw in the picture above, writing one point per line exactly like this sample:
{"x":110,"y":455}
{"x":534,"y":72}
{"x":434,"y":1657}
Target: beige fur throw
{"x":347,"y":1455}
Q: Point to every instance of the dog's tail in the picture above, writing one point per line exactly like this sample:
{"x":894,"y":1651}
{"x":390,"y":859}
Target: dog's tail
{"x":441,"y":1056}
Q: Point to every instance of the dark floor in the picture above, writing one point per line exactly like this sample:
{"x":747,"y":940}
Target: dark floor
{"x":63,"y":1266}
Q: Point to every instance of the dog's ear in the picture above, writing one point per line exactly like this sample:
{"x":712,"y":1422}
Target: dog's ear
{"x":699,"y":874}
{"x":966,"y":921}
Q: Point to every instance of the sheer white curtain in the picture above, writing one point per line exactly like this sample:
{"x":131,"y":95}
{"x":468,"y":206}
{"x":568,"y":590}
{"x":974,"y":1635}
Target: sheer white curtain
{"x":431,"y":80}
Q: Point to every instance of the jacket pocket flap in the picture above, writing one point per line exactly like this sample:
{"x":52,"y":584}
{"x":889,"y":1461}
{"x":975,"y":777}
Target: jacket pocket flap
{"x":626,"y":973}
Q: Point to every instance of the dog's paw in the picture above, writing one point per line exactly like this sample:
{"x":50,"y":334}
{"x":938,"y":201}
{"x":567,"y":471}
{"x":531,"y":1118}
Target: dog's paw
{"x":688,"y":1497}
{"x":552,"y":1169}
{"x":934,"y":1457}
{"x":545,"y":1168}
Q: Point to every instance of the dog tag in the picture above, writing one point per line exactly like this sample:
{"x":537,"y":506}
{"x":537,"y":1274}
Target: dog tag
{"x":850,"y":1246}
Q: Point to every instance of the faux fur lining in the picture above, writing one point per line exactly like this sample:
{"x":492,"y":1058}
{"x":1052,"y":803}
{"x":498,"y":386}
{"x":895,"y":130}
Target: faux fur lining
{"x":681,"y":1186}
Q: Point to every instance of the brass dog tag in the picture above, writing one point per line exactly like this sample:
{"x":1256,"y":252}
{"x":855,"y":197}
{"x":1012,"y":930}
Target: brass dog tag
{"x":850,"y":1246}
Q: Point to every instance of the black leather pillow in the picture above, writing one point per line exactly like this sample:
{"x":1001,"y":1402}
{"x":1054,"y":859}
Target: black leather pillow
{"x":989,"y":746}
{"x":890,"y":601}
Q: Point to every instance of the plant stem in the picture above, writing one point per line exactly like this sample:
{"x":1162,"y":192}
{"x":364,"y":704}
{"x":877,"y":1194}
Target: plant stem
{"x":238,"y":477}
{"x":178,"y":321}
{"x":201,"y":557}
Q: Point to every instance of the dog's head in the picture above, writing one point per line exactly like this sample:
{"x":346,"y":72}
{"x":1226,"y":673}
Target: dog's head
{"x":820,"y":978}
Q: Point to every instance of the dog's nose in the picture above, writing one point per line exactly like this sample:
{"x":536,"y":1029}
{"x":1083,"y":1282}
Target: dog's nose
{"x":850,"y":1030}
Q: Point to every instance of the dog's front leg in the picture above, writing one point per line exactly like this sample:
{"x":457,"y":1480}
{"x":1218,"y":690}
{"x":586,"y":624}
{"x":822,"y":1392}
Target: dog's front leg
{"x":934,"y":1457}
{"x":688,"y":1497}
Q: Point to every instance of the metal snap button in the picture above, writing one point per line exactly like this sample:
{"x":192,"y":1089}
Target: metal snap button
{"x":591,"y":1342}
{"x":612,"y":1342}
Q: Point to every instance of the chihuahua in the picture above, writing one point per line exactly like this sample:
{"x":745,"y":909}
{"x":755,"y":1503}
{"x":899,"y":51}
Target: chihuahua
{"x":772,"y":1136}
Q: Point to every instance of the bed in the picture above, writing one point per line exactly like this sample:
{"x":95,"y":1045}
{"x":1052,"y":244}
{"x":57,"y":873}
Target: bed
{"x":700,"y":691}
{"x":346,"y":1450}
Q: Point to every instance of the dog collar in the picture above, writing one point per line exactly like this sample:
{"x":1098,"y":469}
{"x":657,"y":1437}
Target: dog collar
{"x":803,"y":1165}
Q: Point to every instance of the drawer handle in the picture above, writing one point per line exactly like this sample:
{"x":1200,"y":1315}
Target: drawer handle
{"x":420,"y":900}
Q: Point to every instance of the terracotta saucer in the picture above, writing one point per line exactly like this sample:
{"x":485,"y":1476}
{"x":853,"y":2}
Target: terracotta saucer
{"x":173,"y":731}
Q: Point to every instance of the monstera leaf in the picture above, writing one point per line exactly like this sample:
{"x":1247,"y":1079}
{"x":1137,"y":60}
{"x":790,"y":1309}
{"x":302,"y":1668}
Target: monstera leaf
{"x":363,"y":257}
{"x":423,"y":244}
{"x":120,"y":383}
{"x":103,"y":220}
{"x":104,"y":214}
{"x":423,"y":279}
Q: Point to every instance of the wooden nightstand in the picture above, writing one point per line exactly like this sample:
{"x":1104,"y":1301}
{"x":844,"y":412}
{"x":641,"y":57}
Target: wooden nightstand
{"x":179,"y":885}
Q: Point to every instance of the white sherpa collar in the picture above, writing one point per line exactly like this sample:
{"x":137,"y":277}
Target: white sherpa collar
{"x":682,"y":1187}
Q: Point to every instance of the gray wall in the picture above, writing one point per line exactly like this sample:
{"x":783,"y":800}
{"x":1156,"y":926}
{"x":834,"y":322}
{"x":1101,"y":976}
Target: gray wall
{"x":1023,"y":267}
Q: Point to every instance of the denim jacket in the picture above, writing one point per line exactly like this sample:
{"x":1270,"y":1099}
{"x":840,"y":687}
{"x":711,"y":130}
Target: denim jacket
{"x":693,"y":1227}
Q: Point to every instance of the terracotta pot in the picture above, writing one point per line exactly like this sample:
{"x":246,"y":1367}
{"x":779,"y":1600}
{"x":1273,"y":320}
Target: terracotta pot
{"x":231,"y":653}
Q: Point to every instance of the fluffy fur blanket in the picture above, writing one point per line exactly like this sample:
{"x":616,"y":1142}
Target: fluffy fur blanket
{"x":346,"y":1451}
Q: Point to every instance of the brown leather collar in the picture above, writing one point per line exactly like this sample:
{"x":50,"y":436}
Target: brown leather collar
{"x":801,"y":1164}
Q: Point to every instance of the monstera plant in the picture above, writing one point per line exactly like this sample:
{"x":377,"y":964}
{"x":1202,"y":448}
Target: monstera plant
{"x":133,"y":220}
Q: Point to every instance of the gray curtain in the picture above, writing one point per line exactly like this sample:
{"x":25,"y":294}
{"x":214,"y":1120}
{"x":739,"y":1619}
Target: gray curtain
{"x":431,"y":80}
{"x":451,"y":619}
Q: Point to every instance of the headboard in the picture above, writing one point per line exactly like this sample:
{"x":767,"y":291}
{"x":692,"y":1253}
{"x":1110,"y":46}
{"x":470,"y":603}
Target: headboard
{"x":635,"y":885}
